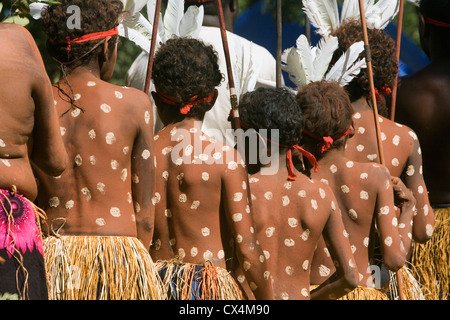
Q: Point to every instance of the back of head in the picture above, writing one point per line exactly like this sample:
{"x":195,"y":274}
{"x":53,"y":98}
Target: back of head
{"x":75,"y":18}
{"x":436,"y":9}
{"x":269,"y":108}
{"x":184,"y":68}
{"x":384,"y":61}
{"x":436,"y":14}
{"x":327,"y":110}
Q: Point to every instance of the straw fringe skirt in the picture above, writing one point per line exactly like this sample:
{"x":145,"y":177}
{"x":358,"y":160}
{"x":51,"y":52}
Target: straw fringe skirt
{"x":361,"y":293}
{"x":100,"y":268}
{"x":411,"y":287}
{"x":187,"y":281}
{"x":365,"y":293}
{"x":431,"y":259}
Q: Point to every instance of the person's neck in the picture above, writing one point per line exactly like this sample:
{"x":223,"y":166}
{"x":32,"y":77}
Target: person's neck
{"x":361,"y":105}
{"x":91,"y":69}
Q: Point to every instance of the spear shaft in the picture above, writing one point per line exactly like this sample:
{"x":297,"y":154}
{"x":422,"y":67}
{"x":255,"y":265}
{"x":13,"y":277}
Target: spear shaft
{"x":375,"y":111}
{"x":152,"y":46}
{"x":397,"y":54}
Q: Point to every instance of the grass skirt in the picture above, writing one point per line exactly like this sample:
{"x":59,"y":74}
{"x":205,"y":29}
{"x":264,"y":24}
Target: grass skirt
{"x":365,"y":293}
{"x":187,"y":281}
{"x":100,"y":268}
{"x":411,"y":287}
{"x":431,"y":259}
{"x":361,"y":293}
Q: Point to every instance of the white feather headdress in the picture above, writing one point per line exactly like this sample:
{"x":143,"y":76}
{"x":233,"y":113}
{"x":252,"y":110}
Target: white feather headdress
{"x":324,"y":14}
{"x":306,"y":64}
{"x":137,"y":28}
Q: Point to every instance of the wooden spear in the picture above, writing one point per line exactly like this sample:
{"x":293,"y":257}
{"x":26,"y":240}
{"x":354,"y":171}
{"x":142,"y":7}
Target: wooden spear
{"x":279,"y":45}
{"x":397,"y":54}
{"x":152,"y":46}
{"x":375,"y":110}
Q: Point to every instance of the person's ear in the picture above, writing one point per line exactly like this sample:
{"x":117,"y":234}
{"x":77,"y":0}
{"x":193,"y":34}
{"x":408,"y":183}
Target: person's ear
{"x":352,"y":129}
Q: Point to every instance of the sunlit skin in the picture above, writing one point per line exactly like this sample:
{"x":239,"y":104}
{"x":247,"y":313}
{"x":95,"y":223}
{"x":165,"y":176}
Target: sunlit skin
{"x":107,"y":187}
{"x":201,"y":201}
{"x":29,"y":130}
{"x":290,"y":217}
{"x":402,"y":156}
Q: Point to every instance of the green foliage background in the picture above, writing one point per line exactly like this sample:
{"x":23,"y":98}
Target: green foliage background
{"x":128,"y":51}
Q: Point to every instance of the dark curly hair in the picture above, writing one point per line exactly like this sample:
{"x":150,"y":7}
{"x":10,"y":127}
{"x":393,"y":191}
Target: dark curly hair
{"x":95,"y":16}
{"x":270,"y":108}
{"x":384,"y":61}
{"x":327,"y":111}
{"x":185,"y":67}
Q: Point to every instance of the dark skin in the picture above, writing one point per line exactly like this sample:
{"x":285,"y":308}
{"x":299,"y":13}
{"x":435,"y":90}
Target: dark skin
{"x":193,"y":200}
{"x":29,"y":130}
{"x":402,"y":156}
{"x":423,"y":103}
{"x":291,"y":218}
{"x":107,"y":187}
{"x":364,"y":194}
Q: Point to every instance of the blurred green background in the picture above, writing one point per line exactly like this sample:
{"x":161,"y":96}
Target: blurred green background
{"x":128,"y":51}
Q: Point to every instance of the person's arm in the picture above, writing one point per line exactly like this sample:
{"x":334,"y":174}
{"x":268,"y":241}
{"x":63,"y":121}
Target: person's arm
{"x":48,"y":151}
{"x":423,"y":221}
{"x":239,"y":217}
{"x":143,"y":171}
{"x":345,"y":278}
{"x":394,"y":232}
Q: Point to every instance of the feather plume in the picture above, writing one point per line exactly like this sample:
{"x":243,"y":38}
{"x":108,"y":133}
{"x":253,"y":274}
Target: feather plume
{"x":172,"y":18}
{"x":191,"y":22}
{"x":306,"y":64}
{"x":414,"y":2}
{"x":323,"y":14}
{"x":322,"y":56}
{"x":381,"y":13}
{"x":346,"y":68}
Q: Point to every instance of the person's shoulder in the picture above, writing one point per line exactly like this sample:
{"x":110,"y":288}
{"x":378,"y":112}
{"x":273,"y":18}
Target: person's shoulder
{"x":16,"y":29}
{"x":400,"y":131}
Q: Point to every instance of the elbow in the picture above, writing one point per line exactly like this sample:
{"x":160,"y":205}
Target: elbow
{"x":395,"y":262}
{"x":57,"y":166}
{"x":351,"y":279}
{"x":423,"y":234}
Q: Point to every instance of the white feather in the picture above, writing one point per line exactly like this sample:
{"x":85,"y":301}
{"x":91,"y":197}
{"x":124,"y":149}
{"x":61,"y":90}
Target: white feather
{"x":292,"y":64}
{"x":191,"y":23}
{"x":306,"y":55}
{"x":133,"y":6}
{"x":381,"y":13}
{"x":172,"y":18}
{"x":323,"y":14}
{"x":323,"y":54}
{"x":135,"y":36}
{"x":347,"y":67}
{"x":36,"y":10}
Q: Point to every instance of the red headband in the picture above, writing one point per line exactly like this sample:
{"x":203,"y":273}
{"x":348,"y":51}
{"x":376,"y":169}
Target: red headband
{"x":194,"y":101}
{"x":435,"y":22}
{"x":385,"y":91}
{"x":91,"y":36}
{"x":325,"y":142}
{"x":289,"y":164}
